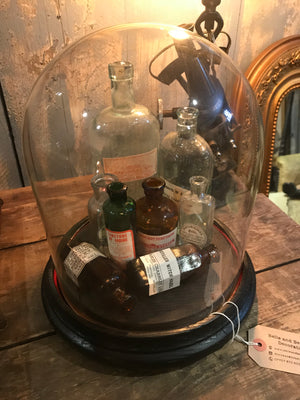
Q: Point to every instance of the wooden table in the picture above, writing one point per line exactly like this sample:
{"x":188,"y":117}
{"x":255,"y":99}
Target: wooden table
{"x":36,"y":363}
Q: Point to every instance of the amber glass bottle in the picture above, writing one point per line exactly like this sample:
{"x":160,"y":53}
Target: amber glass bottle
{"x":156,"y":218}
{"x":165,"y":269}
{"x":119,"y":218}
{"x":97,"y":277}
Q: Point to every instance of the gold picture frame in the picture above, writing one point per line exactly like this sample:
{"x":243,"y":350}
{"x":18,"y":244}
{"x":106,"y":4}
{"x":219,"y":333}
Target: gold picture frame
{"x":272,"y":75}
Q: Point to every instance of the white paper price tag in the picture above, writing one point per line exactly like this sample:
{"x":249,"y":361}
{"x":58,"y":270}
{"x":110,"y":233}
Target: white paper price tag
{"x":279,"y":350}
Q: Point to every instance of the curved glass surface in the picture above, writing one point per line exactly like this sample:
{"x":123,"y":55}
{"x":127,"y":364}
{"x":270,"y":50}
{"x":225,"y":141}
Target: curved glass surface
{"x":65,"y":146}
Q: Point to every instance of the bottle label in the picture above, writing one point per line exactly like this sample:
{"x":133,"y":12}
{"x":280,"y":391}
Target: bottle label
{"x":121,"y":245}
{"x":132,"y":168}
{"x":78,"y":258}
{"x":174,"y":192}
{"x":151,"y":243}
{"x":162,"y":271}
{"x":190,"y":233}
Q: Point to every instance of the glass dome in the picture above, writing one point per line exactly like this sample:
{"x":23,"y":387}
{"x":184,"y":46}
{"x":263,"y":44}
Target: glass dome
{"x":105,"y":106}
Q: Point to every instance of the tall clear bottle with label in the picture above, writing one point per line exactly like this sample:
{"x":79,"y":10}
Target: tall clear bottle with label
{"x":156,"y":218}
{"x":196,"y":214}
{"x":119,"y":217}
{"x":183,"y":154}
{"x":125,"y":136}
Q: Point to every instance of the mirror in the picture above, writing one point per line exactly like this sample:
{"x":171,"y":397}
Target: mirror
{"x":275,"y":78}
{"x":286,"y":156}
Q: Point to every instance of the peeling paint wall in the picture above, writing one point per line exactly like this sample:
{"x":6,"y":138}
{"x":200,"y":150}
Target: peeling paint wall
{"x":263,"y":23}
{"x":33,"y":32}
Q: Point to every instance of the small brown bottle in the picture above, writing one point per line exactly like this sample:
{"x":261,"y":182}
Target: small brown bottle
{"x":98,"y":275}
{"x":165,"y":269}
{"x":156,"y":218}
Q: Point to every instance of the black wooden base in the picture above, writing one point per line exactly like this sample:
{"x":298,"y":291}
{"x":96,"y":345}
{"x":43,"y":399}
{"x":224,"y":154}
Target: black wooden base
{"x":136,"y":349}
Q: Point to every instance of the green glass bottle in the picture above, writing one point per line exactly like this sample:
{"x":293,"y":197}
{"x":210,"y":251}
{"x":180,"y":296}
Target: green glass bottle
{"x":119,"y":217}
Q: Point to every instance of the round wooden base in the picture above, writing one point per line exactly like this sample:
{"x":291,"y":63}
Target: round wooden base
{"x":139,"y":349}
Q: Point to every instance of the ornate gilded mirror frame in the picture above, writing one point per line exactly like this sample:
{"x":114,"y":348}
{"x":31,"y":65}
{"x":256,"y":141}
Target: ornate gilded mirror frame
{"x":272,"y":75}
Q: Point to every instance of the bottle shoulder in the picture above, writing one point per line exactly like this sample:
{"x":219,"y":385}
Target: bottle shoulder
{"x":163,"y":204}
{"x":172,"y":142}
{"x":137,"y":112}
{"x":119,"y":206}
{"x":193,"y":198}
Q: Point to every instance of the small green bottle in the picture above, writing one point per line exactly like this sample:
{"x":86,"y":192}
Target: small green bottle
{"x":119,"y":217}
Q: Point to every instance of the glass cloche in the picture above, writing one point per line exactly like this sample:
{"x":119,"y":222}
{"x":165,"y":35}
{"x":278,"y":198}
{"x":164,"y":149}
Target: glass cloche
{"x":127,"y":105}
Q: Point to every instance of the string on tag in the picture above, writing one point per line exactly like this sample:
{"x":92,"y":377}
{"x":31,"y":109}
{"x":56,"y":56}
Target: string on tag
{"x":235,"y":334}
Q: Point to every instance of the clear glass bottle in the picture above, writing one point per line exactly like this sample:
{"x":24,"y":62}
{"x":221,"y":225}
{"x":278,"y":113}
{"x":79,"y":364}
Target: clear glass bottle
{"x":119,"y":217}
{"x":183,"y":154}
{"x":166,"y":269}
{"x":99,"y":183}
{"x":156,"y":218}
{"x":125,"y":136}
{"x":196,"y":214}
{"x":97,"y":277}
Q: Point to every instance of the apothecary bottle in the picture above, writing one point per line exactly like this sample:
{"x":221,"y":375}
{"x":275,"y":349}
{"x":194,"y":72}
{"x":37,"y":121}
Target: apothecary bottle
{"x":183,"y":154}
{"x":167,"y":269}
{"x":119,"y":217}
{"x":99,"y":183}
{"x":156,"y":218}
{"x":97,"y":277}
{"x":125,"y":136}
{"x":196,"y":214}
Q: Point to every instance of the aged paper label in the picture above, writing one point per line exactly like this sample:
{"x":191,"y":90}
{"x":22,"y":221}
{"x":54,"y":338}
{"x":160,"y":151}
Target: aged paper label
{"x":132,"y":168}
{"x":279,"y":350}
{"x":174,"y":192}
{"x":121,"y":245}
{"x":78,"y":257}
{"x":151,"y":243}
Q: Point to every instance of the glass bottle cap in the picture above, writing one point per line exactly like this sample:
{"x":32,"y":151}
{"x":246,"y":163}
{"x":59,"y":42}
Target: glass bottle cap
{"x":120,"y":70}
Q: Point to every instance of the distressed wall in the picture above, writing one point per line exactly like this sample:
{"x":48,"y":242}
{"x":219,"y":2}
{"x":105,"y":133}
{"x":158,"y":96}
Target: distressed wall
{"x":35,"y":31}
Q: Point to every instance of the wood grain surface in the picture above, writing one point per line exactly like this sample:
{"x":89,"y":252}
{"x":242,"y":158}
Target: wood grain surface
{"x":273,"y":237}
{"x":50,"y":368}
{"x":37,"y":364}
{"x":20,"y":293}
{"x":20,"y":221}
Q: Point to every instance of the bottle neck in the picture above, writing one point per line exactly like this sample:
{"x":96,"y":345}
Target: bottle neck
{"x":122,"y":95}
{"x":186,"y":131}
{"x":123,"y":299}
{"x":117,"y":191}
{"x":209,"y":254}
{"x":154,"y":188}
{"x":154,"y":195}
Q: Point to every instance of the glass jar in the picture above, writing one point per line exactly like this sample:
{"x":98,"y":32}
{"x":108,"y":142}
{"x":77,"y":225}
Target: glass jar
{"x":196,"y":214}
{"x":99,"y":183}
{"x":62,"y":144}
{"x":166,"y":269}
{"x":97,"y":277}
{"x":156,"y":218}
{"x":183,"y":154}
{"x":125,"y":136}
{"x":119,"y":218}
